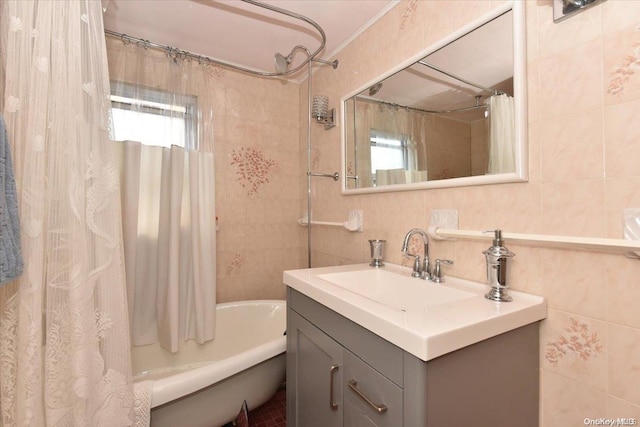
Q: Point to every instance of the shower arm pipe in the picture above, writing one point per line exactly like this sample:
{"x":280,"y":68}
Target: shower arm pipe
{"x":460,"y":79}
{"x":335,"y":175}
{"x":201,"y":58}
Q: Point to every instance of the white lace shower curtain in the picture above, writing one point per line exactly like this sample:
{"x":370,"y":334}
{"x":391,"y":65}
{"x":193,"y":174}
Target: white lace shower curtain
{"x":64,"y":342}
{"x":501,"y":134}
{"x":168,"y":193}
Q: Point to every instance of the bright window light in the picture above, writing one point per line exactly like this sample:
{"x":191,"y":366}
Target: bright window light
{"x":143,"y":115}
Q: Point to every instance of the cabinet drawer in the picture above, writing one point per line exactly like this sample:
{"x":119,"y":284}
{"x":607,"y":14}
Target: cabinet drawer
{"x":367,"y":389}
{"x":377,"y":352}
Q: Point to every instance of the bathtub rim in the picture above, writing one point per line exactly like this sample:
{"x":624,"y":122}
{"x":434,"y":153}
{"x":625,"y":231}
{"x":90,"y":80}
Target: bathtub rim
{"x":176,"y":386}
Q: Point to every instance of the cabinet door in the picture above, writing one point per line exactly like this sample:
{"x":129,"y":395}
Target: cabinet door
{"x":314,"y":376}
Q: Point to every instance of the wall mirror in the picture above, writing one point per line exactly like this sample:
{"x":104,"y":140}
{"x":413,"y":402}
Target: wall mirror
{"x":453,"y":115}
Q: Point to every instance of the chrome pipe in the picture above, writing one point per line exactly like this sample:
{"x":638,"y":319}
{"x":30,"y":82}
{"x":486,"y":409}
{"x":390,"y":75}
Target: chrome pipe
{"x":309,"y":205}
{"x":201,"y":58}
{"x":335,"y":175}
{"x":398,"y":106}
{"x":453,"y":76}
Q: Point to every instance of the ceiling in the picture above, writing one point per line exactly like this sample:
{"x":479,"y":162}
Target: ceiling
{"x":483,"y":57}
{"x":240,"y":33}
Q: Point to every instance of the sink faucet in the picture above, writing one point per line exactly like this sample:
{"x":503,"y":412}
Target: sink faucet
{"x":421,"y":270}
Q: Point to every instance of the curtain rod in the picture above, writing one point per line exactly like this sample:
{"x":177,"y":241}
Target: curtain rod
{"x":457,"y":110}
{"x":170,"y":50}
{"x":176,"y":53}
{"x":460,"y":79}
{"x":179,"y":53}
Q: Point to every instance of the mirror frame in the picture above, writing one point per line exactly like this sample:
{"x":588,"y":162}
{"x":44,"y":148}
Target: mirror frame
{"x":520,"y":107}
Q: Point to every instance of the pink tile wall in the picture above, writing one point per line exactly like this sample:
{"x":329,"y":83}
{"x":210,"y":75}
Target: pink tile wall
{"x":584,"y":154}
{"x":258,"y":186}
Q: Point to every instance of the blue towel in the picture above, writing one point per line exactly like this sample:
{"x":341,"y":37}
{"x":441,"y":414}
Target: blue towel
{"x":10,"y":255}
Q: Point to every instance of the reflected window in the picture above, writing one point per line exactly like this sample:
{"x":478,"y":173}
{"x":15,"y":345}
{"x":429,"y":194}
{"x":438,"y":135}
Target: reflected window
{"x":389,"y":151}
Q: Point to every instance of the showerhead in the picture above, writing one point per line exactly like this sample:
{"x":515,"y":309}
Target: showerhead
{"x":282,"y":63}
{"x":375,"y":88}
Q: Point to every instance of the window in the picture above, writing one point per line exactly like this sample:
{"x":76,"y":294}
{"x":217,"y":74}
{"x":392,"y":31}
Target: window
{"x":152,"y":116}
{"x":388,"y":151}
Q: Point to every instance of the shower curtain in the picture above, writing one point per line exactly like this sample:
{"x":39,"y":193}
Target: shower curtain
{"x":501,"y":134}
{"x":64,"y":342}
{"x":168,"y":193}
{"x":169,"y":239}
{"x":391,"y":120}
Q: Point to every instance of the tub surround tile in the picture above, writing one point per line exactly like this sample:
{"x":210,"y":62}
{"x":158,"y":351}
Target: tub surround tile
{"x":621,"y":277}
{"x":252,"y":168}
{"x":618,"y":408}
{"x":525,"y":273}
{"x":401,"y":209}
{"x":534,"y":154}
{"x":573,"y":208}
{"x":558,"y":37}
{"x":235,"y":264}
{"x":622,"y":141}
{"x":624,"y":363}
{"x":619,"y":14}
{"x":620,"y":194}
{"x":517,"y":208}
{"x":565,"y":91}
{"x":561,"y":158}
{"x":573,"y":282}
{"x":477,"y":202}
{"x":533,"y":31}
{"x":566,"y":402}
{"x":622,"y":65}
{"x":575,"y":347}
{"x":469,"y":262}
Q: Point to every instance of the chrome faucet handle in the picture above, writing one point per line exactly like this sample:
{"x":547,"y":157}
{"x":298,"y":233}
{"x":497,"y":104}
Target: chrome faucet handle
{"x":416,"y":264}
{"x":425,"y":273}
{"x":437,"y":270}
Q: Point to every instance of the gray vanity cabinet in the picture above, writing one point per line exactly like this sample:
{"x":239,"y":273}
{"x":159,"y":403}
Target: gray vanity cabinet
{"x":340,"y":374}
{"x":317,"y":363}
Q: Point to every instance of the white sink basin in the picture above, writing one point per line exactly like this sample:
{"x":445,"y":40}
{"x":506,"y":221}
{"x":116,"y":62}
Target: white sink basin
{"x":421,"y":317}
{"x":394,"y":290}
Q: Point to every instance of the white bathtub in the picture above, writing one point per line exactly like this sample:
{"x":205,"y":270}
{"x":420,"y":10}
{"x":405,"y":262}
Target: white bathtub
{"x":205,"y":385}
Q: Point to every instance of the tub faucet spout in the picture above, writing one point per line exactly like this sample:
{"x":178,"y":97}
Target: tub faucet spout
{"x":420,"y":270}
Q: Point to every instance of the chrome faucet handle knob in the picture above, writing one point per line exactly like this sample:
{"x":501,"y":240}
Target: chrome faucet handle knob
{"x":417,"y":271}
{"x":437,"y":270}
{"x":416,"y":263}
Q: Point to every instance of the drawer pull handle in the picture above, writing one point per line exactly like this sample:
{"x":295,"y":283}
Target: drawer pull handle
{"x":332,"y":404}
{"x":381,"y":409}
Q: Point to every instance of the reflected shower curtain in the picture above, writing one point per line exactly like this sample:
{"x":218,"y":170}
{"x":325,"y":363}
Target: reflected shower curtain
{"x":64,"y":341}
{"x":391,"y":120}
{"x":169,"y":238}
{"x":501,"y":134}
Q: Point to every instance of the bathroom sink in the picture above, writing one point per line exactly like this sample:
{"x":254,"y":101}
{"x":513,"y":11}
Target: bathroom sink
{"x":421,"y":317}
{"x":394,"y":290}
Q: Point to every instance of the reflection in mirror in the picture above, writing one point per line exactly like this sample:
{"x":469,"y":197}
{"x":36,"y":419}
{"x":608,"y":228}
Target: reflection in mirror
{"x":446,"y":117}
